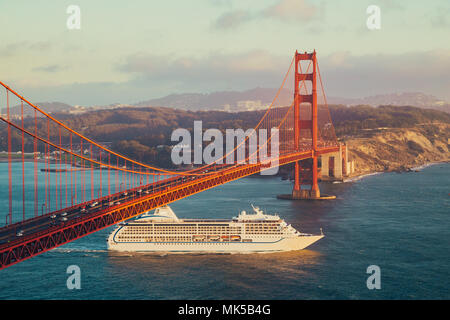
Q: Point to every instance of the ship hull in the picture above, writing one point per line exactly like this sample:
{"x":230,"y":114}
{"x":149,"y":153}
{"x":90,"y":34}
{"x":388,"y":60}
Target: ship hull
{"x":283,"y":244}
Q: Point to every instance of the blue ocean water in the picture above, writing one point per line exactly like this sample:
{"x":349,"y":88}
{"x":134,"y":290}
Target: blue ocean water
{"x":399,"y":222}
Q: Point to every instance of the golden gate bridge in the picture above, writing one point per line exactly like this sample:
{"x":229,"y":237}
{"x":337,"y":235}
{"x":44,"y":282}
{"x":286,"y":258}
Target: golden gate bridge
{"x":74,"y":186}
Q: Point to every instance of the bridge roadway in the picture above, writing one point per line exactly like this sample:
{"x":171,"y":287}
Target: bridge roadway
{"x":31,"y":237}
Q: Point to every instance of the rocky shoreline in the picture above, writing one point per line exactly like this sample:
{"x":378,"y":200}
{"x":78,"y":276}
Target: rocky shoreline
{"x":358,"y":176}
{"x":399,"y":149}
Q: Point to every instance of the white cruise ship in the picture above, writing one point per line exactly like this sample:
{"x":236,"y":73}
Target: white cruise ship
{"x":163,"y":231}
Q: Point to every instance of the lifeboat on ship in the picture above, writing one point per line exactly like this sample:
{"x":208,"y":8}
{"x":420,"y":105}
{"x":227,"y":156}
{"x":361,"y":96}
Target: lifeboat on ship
{"x":235,"y":238}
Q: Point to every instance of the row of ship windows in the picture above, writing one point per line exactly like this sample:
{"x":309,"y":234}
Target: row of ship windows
{"x":156,"y":238}
{"x":204,"y":232}
{"x":187,"y":228}
{"x":182,"y":233}
{"x":182,"y":227}
{"x":208,"y":227}
{"x":194,"y":229}
{"x":186,"y":231}
{"x":261,"y":228}
{"x":195,"y":243}
{"x":205,"y":224}
{"x":149,"y":239}
{"x":182,"y":230}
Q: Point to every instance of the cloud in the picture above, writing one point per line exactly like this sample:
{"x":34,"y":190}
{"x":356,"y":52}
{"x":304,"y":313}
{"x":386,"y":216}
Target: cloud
{"x":14,"y":48}
{"x":292,"y":10}
{"x":50,"y":68}
{"x":440,"y":19}
{"x":213,"y":70}
{"x":392,"y":4}
{"x":11,"y":49}
{"x":344,"y":74}
{"x":347,"y":75}
{"x":339,"y":59}
{"x":284,"y":10}
{"x":40,"y":45}
{"x":232,"y":19}
{"x":227,"y":3}
{"x":153,"y":76}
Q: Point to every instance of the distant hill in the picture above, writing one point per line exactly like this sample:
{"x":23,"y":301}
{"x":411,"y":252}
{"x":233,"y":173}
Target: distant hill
{"x":49,"y":107}
{"x":60,"y":107}
{"x":216,"y":100}
{"x":354,"y":120}
{"x":416,"y":99}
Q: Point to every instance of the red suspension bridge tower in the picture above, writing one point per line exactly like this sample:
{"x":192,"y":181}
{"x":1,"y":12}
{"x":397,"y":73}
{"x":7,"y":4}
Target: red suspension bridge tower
{"x":311,"y":168}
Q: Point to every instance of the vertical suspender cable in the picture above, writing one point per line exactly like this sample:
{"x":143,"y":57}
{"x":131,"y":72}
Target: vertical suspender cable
{"x":36,"y":200}
{"x":23,"y":164}
{"x":109,"y":171}
{"x":71,"y":170}
{"x":100,"y":166}
{"x":9,"y":159}
{"x":92,"y":175}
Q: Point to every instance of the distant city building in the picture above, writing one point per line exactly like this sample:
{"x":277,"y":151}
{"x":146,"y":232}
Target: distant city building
{"x":77,"y":110}
{"x":11,"y":116}
{"x":244,"y":105}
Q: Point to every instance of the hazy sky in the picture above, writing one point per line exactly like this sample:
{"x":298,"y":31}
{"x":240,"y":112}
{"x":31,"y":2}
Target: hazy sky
{"x":129,"y":51}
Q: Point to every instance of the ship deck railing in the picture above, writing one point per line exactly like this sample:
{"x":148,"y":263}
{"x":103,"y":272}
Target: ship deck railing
{"x":206,"y":220}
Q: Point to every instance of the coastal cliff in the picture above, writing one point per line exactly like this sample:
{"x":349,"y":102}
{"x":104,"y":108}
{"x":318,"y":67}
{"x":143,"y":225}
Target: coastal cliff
{"x":398,"y":149}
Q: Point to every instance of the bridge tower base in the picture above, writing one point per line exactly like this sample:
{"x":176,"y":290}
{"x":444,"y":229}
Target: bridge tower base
{"x":304,"y":195}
